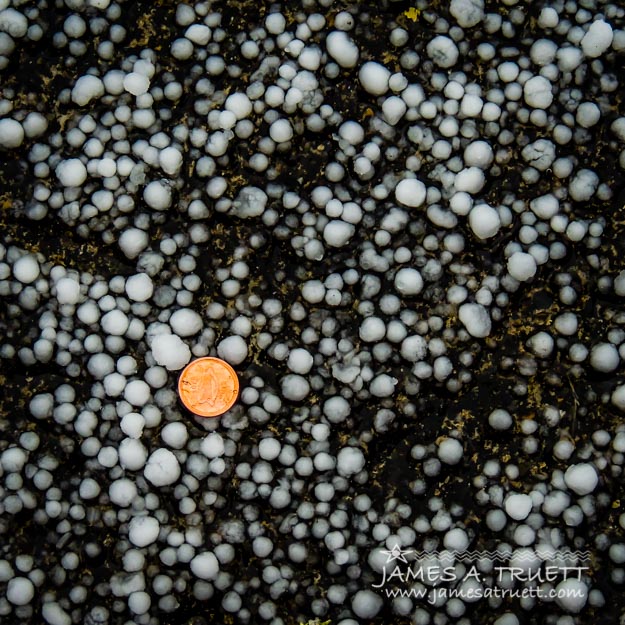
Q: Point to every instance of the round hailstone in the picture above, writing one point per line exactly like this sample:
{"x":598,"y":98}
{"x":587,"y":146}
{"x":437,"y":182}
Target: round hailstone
{"x":443,"y":51}
{"x":475,"y":319}
{"x":175,"y":434}
{"x":366,"y":604}
{"x":468,"y":13}
{"x":294,"y":387}
{"x":571,"y":594}
{"x":71,"y":173}
{"x":115,"y":322}
{"x":13,"y":22}
{"x":581,"y":478}
{"x":545,"y":207}
{"x":350,"y":460}
{"x":170,"y":351}
{"x":157,"y":195}
{"x":500,"y":419}
{"x":374,"y":78}
{"x":137,"y":393}
{"x":604,"y":357}
{"x":597,"y":39}
{"x":132,"y":242}
{"x":342,"y":49}
{"x":212,"y":446}
{"x":518,"y":506}
{"x":239,"y":104}
{"x":300,"y":361}
{"x":122,"y":492}
{"x":414,"y":348}
{"x":232,"y":349}
{"x":136,"y":84}
{"x":20,"y":591}
{"x":484,"y":221}
{"x":281,"y":131}
{"x":410,"y":192}
{"x":170,"y":159}
{"x":541,"y":344}
{"x":538,"y":93}
{"x":372,"y":329}
{"x":143,"y":530}
{"x":162,"y":468}
{"x":205,"y":565}
{"x":67,"y":291}
{"x":336,"y":409}
{"x":269,"y":449}
{"x":250,"y":202}
{"x":11,"y":134}
{"x":456,"y":540}
{"x":522,"y":266}
{"x":618,"y":397}
{"x":185,"y":322}
{"x":26,"y":269}
{"x":139,"y":287}
{"x":450,"y":451}
{"x":408,"y":281}
{"x":87,"y":88}
{"x":337,"y":232}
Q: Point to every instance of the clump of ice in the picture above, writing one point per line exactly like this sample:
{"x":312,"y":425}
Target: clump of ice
{"x":598,"y":39}
{"x":162,"y":468}
{"x":475,"y":319}
{"x":170,"y":351}
{"x":342,"y":49}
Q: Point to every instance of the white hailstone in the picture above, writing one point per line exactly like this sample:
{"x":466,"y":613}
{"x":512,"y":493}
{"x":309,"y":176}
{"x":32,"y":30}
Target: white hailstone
{"x":20,"y":591}
{"x":294,"y":387}
{"x":139,"y":287}
{"x":408,"y":281}
{"x":374,"y":78}
{"x":136,"y":83}
{"x":87,"y":88}
{"x":300,"y":361}
{"x":541,"y":344}
{"x":212,"y":446}
{"x":232,"y":349}
{"x":456,"y":539}
{"x":393,"y":109}
{"x":11,"y":133}
{"x":205,"y":565}
{"x":475,"y":319}
{"x":26,"y":269}
{"x":382,"y":385}
{"x":538,"y":92}
{"x":170,"y":351}
{"x":336,"y":409}
{"x":518,"y":506}
{"x":157,"y":195}
{"x":133,"y":241}
{"x":143,"y":530}
{"x":175,"y":434}
{"x":342,"y":49}
{"x":239,"y":104}
{"x":366,"y":604}
{"x":500,"y":419}
{"x":443,"y":51}
{"x":522,"y":266}
{"x":137,"y":393}
{"x":170,"y":160}
{"x":546,"y":206}
{"x":250,"y":202}
{"x":581,"y":478}
{"x":139,"y":602}
{"x":132,"y":454}
{"x":337,"y":232}
{"x":350,"y":460}
{"x":132,"y":424}
{"x":67,"y":291}
{"x":618,"y":397}
{"x":468,"y":13}
{"x":281,"y":130}
{"x":372,"y":329}
{"x":478,"y":154}
{"x":410,"y":192}
{"x":484,"y":221}
{"x":470,"y":180}
{"x":115,"y":322}
{"x":353,"y":133}
{"x":414,"y":348}
{"x":185,"y":322}
{"x":122,"y":492}
{"x":597,"y":39}
{"x":269,"y":449}
{"x":162,"y":468}
{"x":587,"y":114}
{"x":71,"y":173}
{"x":583,"y":185}
{"x":54,"y":614}
{"x":604,"y":357}
{"x":13,"y":22}
{"x":571,"y":594}
{"x":450,"y":451}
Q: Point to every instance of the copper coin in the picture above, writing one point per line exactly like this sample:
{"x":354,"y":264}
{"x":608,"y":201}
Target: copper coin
{"x":208,"y":386}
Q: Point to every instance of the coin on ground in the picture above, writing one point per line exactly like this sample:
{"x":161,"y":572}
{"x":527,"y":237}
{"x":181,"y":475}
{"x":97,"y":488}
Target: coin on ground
{"x":208,"y":386}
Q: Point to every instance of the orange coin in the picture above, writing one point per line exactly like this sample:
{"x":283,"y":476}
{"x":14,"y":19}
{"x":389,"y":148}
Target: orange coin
{"x":208,"y":386}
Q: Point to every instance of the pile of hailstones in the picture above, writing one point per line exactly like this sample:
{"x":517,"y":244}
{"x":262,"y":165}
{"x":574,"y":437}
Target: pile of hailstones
{"x":399,"y":202}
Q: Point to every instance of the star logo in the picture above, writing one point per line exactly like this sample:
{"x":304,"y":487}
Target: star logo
{"x":396,"y":553}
